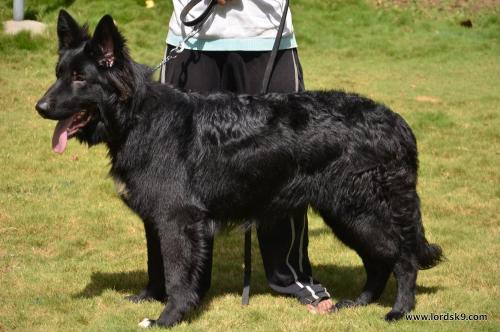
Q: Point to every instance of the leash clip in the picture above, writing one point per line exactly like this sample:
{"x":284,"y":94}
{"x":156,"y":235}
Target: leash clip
{"x":178,"y":49}
{"x":196,"y":24}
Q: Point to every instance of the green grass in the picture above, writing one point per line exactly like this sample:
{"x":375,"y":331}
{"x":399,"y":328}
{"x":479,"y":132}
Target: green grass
{"x":70,"y":251}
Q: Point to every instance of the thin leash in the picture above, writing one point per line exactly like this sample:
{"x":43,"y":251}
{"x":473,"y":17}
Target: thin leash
{"x":197,"y":24}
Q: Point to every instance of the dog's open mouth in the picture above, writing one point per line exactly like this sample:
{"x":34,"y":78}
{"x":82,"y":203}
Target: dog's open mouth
{"x":67,"y":128}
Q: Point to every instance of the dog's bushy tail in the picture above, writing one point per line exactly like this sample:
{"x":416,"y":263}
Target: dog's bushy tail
{"x":428,"y":254}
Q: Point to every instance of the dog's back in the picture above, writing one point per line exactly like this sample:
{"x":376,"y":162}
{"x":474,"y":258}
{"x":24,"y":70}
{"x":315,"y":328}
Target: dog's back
{"x":270,"y":153}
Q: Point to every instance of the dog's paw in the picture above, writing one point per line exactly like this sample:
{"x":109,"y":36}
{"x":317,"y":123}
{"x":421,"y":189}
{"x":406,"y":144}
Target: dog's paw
{"x":394,"y":315}
{"x":147,"y":323}
{"x":345,"y":304}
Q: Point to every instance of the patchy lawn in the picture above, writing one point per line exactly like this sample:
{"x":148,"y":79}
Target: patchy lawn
{"x":70,"y":250}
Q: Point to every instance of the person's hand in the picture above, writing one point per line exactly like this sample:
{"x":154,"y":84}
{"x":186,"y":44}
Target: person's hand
{"x":222,"y":2}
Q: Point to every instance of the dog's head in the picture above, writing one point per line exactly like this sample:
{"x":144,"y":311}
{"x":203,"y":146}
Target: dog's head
{"x":92,"y":72}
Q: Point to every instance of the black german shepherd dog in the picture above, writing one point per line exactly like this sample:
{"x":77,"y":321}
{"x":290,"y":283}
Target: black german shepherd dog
{"x":187,"y":162}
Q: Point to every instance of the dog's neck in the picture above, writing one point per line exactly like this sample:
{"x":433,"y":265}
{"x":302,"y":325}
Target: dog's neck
{"x":119,"y":111}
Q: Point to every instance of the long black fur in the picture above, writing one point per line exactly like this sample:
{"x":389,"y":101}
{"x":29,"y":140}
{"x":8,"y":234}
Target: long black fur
{"x":186,"y":162}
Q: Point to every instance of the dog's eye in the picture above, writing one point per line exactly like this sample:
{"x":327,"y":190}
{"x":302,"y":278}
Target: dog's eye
{"x":77,"y":77}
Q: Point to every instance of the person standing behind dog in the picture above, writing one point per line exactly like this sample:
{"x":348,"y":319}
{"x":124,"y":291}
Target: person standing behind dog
{"x":230,"y":53}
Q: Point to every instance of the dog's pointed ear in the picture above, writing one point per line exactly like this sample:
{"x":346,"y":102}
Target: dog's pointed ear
{"x":107,"y":42}
{"x":68,"y":31}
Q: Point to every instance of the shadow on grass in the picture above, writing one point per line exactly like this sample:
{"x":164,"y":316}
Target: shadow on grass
{"x":131,"y":282}
{"x":344,"y":282}
{"x":127,"y":281}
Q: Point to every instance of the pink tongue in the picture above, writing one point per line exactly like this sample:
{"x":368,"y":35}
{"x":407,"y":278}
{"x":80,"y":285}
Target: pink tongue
{"x":60,"y":137}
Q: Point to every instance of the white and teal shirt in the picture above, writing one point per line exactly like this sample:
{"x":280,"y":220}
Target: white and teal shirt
{"x":240,"y":25}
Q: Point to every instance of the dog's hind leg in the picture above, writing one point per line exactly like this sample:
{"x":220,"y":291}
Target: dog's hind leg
{"x":405,"y":213}
{"x":406,"y":267}
{"x":366,"y":233}
{"x":186,"y":243}
{"x":405,"y":271}
{"x":377,"y":274}
{"x":155,"y":289}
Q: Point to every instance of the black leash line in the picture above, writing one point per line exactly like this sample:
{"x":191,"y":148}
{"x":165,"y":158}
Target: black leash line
{"x":274,"y":52}
{"x":185,"y":11}
{"x":247,"y":272}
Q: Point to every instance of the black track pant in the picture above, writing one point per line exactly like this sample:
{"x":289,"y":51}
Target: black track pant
{"x":283,"y":246}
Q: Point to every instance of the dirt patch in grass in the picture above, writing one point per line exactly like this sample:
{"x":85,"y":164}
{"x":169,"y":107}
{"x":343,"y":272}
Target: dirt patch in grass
{"x":449,"y":6}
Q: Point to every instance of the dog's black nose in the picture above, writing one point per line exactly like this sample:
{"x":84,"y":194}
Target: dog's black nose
{"x":42,"y":106}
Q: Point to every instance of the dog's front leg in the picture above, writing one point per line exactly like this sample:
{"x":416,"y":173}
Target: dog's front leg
{"x":155,"y":289}
{"x":186,"y":247}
